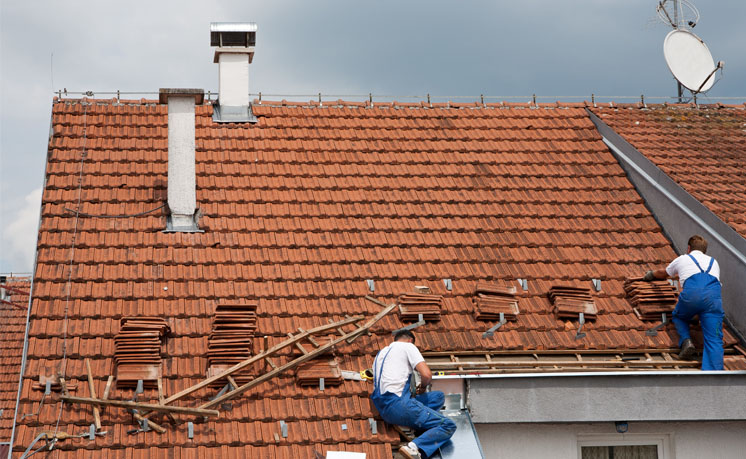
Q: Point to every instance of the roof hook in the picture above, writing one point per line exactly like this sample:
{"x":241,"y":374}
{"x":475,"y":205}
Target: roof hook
{"x":420,"y":322}
{"x":491,"y":331}
{"x":579,"y":334}
{"x":654,"y":331}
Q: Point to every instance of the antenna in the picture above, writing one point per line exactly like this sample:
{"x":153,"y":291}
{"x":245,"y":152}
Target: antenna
{"x":687,"y":55}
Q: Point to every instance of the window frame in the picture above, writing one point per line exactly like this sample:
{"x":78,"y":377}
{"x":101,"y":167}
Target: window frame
{"x":661,"y":441}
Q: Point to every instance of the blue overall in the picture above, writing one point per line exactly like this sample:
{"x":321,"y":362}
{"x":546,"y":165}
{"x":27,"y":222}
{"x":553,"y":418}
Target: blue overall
{"x":419,"y":413}
{"x":701,"y":296}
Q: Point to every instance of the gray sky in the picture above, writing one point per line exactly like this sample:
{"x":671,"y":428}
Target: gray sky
{"x":512,"y":49}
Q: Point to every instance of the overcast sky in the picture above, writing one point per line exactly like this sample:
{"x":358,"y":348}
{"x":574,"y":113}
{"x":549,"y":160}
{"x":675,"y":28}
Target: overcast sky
{"x":511,"y":49}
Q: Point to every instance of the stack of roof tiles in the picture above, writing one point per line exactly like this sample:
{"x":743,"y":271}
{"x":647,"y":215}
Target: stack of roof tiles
{"x":411,"y":305}
{"x":652,"y":299}
{"x":299,"y":209}
{"x":569,"y":301}
{"x":310,"y":373}
{"x":231,"y":339}
{"x":492,"y":300}
{"x":12,"y":329}
{"x":137,"y":353}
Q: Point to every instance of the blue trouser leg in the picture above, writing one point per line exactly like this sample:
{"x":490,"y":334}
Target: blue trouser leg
{"x":706,"y":302}
{"x":682,"y":315}
{"x":410,"y":412}
{"x":712,"y":331}
{"x":433,"y":400}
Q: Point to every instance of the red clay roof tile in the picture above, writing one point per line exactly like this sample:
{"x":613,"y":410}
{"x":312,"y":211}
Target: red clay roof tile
{"x":300,"y":209}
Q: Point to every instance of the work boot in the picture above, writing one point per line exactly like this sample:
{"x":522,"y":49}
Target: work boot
{"x":687,"y":350}
{"x":410,"y":453}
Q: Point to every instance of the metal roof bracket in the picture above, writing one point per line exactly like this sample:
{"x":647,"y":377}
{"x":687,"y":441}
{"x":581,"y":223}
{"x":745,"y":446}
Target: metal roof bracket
{"x":449,"y":284}
{"x":579,"y":334}
{"x":491,"y":331}
{"x":284,"y":428}
{"x":373,"y":426}
{"x":371,"y":284}
{"x":190,"y":430}
{"x":596,"y":284}
{"x":321,"y":384}
{"x":420,"y":322}
{"x":523,"y":283}
{"x":654,"y":331}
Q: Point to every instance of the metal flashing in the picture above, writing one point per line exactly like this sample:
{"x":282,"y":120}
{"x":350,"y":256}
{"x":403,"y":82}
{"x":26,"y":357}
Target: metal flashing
{"x":228,"y":114}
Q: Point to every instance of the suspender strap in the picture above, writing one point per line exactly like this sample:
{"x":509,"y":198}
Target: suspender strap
{"x":712,"y":260}
{"x":376,"y":372}
{"x":698,"y":266}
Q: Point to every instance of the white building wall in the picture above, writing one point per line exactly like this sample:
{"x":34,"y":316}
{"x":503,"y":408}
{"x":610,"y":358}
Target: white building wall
{"x":682,"y":440}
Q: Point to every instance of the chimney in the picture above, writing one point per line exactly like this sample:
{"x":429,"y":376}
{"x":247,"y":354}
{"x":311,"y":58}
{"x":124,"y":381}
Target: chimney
{"x":234,"y":42}
{"x":182,"y":184}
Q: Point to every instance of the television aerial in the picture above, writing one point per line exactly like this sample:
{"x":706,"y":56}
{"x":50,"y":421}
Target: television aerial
{"x":688,"y":57}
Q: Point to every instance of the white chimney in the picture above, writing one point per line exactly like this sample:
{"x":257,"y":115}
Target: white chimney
{"x":182,"y":184}
{"x":234,"y":42}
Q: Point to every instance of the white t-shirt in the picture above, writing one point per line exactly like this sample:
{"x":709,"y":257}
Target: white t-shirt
{"x":685,"y":267}
{"x":401,"y":359}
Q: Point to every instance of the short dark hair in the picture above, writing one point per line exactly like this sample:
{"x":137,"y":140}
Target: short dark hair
{"x":404,"y":334}
{"x":697,"y":242}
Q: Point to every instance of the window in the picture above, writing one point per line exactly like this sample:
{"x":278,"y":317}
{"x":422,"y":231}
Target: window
{"x":624,"y":446}
{"x":619,"y":452}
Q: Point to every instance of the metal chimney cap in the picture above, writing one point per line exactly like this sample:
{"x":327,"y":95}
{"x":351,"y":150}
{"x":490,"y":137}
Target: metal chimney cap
{"x":233,"y":34}
{"x":233,"y":27}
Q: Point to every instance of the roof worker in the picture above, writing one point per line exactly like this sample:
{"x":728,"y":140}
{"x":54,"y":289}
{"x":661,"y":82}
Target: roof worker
{"x":397,"y":404}
{"x":700,"y":276}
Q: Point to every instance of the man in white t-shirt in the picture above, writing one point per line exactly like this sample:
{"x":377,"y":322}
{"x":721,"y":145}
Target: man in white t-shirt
{"x":700,"y":277}
{"x":397,"y":404}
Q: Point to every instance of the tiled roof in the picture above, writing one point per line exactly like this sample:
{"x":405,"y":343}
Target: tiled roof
{"x":300,"y":209}
{"x":12,"y":331}
{"x":702,"y":148}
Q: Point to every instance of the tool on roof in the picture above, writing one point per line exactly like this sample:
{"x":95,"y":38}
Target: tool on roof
{"x":492,"y":330}
{"x":581,"y":321}
{"x":654,"y":331}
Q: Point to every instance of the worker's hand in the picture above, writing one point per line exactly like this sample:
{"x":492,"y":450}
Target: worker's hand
{"x":648,"y":276}
{"x":421,"y":389}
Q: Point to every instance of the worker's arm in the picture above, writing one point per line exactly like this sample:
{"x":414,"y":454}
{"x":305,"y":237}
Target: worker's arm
{"x":426,"y":376}
{"x":657,"y":274}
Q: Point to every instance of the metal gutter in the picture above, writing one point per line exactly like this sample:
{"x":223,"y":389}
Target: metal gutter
{"x":597,"y":373}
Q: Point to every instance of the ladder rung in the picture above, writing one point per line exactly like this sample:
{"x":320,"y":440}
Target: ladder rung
{"x":309,"y":338}
{"x":270,"y":362}
{"x":297,"y":344}
{"x":232,"y":381}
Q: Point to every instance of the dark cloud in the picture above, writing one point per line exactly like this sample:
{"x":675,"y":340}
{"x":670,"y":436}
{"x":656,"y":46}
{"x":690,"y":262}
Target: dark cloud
{"x":397,"y":48}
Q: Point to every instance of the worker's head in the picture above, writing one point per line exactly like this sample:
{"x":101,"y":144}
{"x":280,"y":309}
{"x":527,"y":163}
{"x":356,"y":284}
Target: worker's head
{"x":404,"y":335}
{"x":697,"y":242}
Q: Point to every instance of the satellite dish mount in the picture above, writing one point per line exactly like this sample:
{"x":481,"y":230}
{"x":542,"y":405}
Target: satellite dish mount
{"x":687,"y":55}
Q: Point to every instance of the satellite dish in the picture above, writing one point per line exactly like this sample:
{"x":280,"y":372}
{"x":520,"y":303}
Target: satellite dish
{"x":690,"y":60}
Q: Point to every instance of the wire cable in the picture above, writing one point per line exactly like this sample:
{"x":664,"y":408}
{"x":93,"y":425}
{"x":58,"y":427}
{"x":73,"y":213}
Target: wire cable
{"x":81,"y":214}
{"x":83,"y":155}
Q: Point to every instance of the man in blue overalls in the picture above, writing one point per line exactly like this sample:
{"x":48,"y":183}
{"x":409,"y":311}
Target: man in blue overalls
{"x":700,"y":277}
{"x":397,"y":405}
